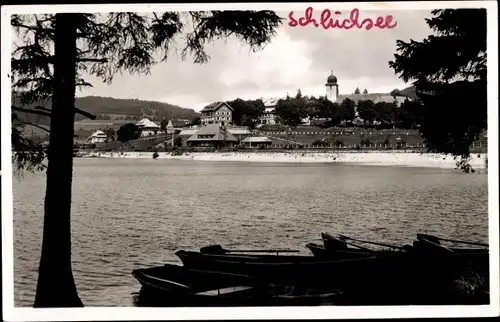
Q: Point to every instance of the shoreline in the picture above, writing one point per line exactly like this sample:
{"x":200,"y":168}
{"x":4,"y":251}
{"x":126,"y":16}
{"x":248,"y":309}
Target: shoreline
{"x":408,"y":159}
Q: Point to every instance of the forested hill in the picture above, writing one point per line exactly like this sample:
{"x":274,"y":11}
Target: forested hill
{"x":133,"y":107}
{"x":410,"y":92}
{"x":114,"y":108}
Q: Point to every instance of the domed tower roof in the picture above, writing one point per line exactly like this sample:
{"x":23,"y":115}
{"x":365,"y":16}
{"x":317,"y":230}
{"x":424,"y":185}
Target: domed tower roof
{"x":331,"y":79}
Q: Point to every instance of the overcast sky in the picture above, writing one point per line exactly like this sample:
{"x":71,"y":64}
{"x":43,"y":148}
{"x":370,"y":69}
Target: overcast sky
{"x":296,"y":58}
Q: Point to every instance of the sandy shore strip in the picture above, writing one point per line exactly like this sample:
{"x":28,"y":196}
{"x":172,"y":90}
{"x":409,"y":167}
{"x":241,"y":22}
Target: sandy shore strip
{"x":363,"y":158}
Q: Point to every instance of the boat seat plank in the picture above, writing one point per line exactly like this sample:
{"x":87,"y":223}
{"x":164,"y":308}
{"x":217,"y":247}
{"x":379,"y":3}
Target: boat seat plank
{"x":151,"y":277}
{"x":225,"y":291}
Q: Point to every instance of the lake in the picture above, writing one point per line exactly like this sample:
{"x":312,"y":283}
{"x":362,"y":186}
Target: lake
{"x":130,"y":213}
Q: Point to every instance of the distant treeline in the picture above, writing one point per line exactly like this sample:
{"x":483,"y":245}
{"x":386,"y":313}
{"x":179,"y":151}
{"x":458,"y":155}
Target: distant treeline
{"x":292,"y":111}
{"x":105,"y":107}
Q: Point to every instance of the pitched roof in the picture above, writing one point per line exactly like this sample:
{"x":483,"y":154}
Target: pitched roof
{"x":271,"y":102}
{"x":388,"y":98}
{"x":257,"y":139}
{"x":98,"y":133}
{"x":146,"y":123}
{"x":242,"y":130}
{"x":214,"y":106}
{"x":179,"y":123}
{"x":212,"y":132}
{"x":186,"y":132}
{"x":141,"y":122}
{"x":376,"y":98}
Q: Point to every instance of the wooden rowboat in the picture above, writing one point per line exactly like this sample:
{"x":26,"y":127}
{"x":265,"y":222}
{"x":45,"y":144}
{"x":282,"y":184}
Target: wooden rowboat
{"x":318,"y":251}
{"x":321,"y":253}
{"x":173,"y":285}
{"x":305,"y":270}
{"x":425,"y":243}
{"x":178,"y":279}
{"x":334,"y":243}
{"x":432,"y":243}
{"x":218,"y":250}
{"x":402,"y":273}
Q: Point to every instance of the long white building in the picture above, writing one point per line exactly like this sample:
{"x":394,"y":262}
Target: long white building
{"x":332,"y":94}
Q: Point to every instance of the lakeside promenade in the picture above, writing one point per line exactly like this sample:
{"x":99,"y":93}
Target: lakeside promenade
{"x":384,"y":158}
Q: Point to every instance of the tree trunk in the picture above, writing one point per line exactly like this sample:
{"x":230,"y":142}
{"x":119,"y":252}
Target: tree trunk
{"x":56,"y":285}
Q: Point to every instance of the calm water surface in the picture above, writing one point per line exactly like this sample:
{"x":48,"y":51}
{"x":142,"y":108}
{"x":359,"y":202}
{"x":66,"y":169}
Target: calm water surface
{"x":136,"y":213}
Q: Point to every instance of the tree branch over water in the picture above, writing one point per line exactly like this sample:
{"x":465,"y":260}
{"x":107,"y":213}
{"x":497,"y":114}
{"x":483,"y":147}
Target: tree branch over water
{"x":50,"y":56}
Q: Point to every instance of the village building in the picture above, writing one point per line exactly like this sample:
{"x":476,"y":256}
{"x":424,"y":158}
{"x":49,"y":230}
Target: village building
{"x":240,"y":132}
{"x":97,"y":137}
{"x":332,"y":94}
{"x":332,"y":88}
{"x":177,"y":125}
{"x":257,"y":141}
{"x":147,"y":127}
{"x":212,"y":135}
{"x":217,"y":113}
{"x":268,"y":117}
{"x":188,"y":132}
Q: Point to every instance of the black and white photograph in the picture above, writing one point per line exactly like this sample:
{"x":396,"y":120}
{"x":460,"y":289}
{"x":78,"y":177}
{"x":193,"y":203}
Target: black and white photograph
{"x":289,"y":160}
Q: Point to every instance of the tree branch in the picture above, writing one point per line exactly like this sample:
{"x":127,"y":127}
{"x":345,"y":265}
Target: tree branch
{"x":47,"y":112}
{"x":35,"y":125}
{"x":83,"y":83}
{"x":94,"y":60}
{"x":43,"y":108}
{"x":30,"y":111}
{"x":35,"y":28}
{"x":33,"y":60}
{"x":87,"y":114}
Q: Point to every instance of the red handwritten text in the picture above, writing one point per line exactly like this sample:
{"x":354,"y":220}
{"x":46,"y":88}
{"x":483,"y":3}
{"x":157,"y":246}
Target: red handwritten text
{"x":327,"y":21}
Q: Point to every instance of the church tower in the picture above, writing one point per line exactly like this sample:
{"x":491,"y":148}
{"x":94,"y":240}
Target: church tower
{"x":332,"y":89}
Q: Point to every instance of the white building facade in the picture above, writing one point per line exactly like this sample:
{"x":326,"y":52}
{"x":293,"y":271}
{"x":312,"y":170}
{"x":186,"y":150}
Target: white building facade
{"x":217,"y":113}
{"x":332,"y":88}
{"x":332,"y":94}
{"x":269,"y":117}
{"x":98,"y":137}
{"x":148,"y":128}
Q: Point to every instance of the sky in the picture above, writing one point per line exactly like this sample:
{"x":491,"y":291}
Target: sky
{"x":297,"y":58}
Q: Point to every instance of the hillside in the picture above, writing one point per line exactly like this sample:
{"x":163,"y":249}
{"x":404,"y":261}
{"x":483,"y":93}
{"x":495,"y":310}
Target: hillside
{"x":118,"y":109}
{"x":410,"y":91}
